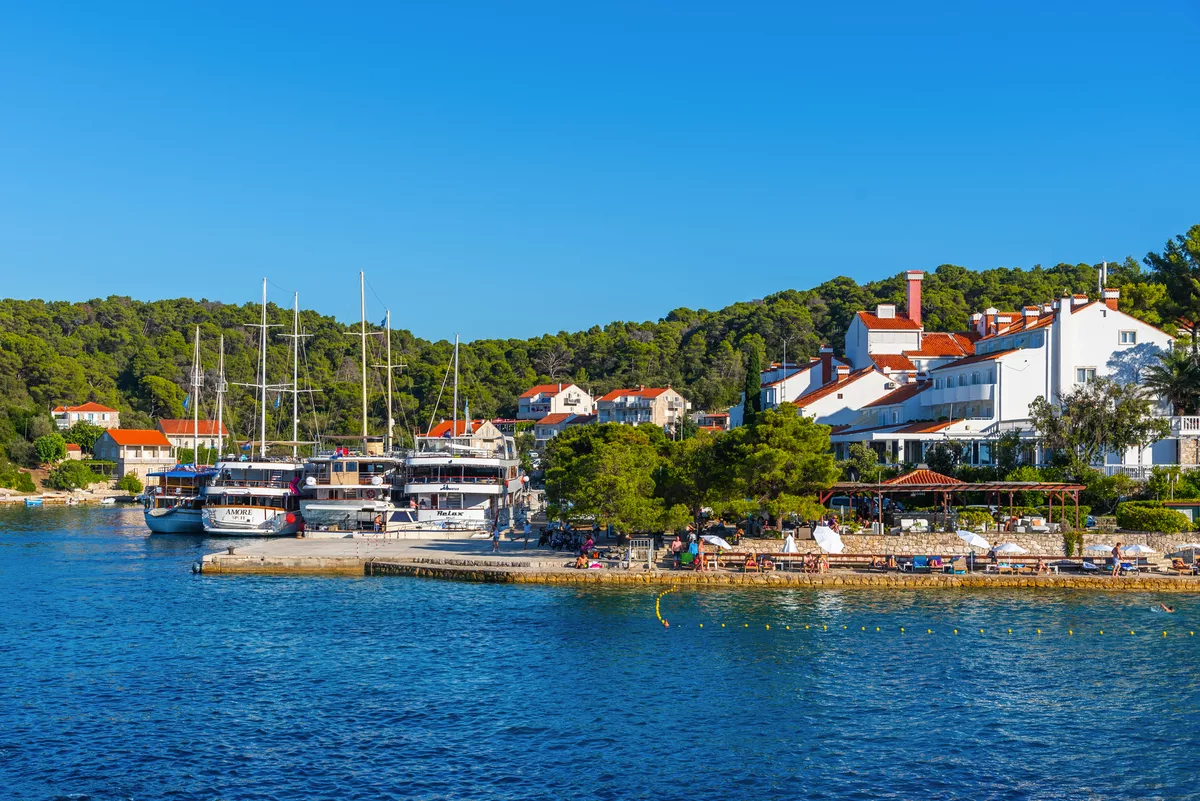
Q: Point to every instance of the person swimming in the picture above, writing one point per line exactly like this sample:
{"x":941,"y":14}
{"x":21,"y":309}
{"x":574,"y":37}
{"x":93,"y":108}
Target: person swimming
{"x":1164,"y":608}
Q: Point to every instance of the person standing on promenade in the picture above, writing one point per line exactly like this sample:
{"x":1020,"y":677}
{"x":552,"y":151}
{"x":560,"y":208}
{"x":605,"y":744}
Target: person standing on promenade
{"x":495,"y":539}
{"x":526,"y":546}
{"x":1116,"y":554}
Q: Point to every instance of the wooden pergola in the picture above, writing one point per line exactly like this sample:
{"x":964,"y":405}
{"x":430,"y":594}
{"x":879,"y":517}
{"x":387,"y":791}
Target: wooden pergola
{"x":919,"y":482}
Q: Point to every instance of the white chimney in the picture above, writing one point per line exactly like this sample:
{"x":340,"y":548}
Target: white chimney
{"x":885,"y":311}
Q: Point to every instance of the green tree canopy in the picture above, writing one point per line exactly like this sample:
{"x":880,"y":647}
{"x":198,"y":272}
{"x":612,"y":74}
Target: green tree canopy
{"x":50,"y":448}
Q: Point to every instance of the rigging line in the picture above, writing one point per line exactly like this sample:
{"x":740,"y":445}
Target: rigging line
{"x":312,"y":399}
{"x":438,"y":402}
{"x":376,"y":294}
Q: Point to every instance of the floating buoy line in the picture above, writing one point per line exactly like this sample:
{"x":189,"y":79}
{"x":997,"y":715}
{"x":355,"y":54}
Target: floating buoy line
{"x":947,"y":630}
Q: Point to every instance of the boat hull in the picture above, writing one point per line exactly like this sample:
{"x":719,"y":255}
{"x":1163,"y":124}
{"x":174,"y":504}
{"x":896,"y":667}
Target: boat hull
{"x":176,"y":520}
{"x":250,"y":521}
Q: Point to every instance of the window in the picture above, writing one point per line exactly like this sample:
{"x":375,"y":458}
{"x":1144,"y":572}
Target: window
{"x":1085,"y":375}
{"x":895,"y":415}
{"x":974,"y":378}
{"x":991,"y":376}
{"x":1128,"y":337}
{"x":962,"y":380}
{"x":839,"y":396}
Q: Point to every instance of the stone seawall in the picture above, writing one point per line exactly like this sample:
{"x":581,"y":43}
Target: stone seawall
{"x":943,"y":544}
{"x":782,"y":580}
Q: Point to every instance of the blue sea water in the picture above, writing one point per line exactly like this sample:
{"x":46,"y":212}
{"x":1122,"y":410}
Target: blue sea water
{"x":124,"y":676}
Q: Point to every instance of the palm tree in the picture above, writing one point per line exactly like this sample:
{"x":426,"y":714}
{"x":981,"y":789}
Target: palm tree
{"x":1176,"y":378}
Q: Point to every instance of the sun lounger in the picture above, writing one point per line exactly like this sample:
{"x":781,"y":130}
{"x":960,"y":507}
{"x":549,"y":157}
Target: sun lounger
{"x":917,"y":564}
{"x":959,"y":565}
{"x":1090,"y":567}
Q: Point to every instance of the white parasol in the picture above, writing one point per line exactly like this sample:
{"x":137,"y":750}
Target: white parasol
{"x":1009,"y":547}
{"x":828,"y":540}
{"x":973,"y":539}
{"x":713,"y":539}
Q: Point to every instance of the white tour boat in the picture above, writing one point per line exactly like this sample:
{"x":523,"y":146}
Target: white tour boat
{"x":175,"y":504}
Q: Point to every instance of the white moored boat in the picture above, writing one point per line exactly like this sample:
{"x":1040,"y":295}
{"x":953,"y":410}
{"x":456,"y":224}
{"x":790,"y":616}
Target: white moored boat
{"x":350,"y":494}
{"x":254,"y":498}
{"x":465,"y":475}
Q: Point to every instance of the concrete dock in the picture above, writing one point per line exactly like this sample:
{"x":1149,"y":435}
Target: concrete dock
{"x":473,"y":560}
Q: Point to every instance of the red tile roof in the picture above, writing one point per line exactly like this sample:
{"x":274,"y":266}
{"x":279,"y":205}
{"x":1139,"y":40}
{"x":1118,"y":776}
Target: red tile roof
{"x":138,"y":436}
{"x":979,"y":357}
{"x":552,"y":389}
{"x":900,"y":395}
{"x":73,"y":446}
{"x":642,"y":392}
{"x":207,"y":428}
{"x":893,"y":361}
{"x":937,"y":344}
{"x":554,"y":419}
{"x":874,"y":323}
{"x":90,"y":406}
{"x":443,"y":428}
{"x":922,"y":477}
{"x":833,"y":386}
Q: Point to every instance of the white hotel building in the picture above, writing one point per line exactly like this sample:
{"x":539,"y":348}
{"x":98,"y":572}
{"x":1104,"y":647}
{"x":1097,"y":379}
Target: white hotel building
{"x":906,"y":389}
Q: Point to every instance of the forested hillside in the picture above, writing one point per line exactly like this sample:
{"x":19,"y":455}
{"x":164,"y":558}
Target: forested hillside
{"x":134,"y":355}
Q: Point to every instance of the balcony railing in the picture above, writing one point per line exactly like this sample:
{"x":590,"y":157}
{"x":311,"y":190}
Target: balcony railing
{"x":1185,"y":426}
{"x":1138,"y":472}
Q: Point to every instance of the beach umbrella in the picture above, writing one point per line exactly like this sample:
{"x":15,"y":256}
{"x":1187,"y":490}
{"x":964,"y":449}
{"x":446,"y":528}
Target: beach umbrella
{"x":1009,"y":547}
{"x":713,"y":539}
{"x":828,"y":539}
{"x":1098,"y":548}
{"x":1137,"y":549}
{"x":789,"y":545}
{"x":973,"y":539}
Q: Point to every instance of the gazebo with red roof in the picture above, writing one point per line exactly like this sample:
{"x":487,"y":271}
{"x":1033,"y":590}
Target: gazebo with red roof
{"x":921,"y":481}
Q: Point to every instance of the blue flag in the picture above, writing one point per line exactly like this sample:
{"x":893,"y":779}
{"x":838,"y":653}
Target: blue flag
{"x":277,"y":397}
{"x":383,"y":322}
{"x":186,"y":401}
{"x":246,"y":447}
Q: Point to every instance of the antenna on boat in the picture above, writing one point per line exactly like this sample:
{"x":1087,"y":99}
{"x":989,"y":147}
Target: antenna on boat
{"x":387,"y":447}
{"x":454,"y":423}
{"x":296,"y":336}
{"x":262,"y":385}
{"x":222,"y":387}
{"x":196,"y":382}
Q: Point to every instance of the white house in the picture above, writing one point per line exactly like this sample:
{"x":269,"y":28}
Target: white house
{"x":544,"y":399}
{"x":91,"y":412}
{"x":841,"y":400}
{"x":1043,"y":351}
{"x":660,"y":406}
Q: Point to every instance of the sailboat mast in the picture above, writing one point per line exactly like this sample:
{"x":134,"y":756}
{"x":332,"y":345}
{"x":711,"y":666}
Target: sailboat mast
{"x":454,"y":424}
{"x":362,"y":299}
{"x":197,"y":380}
{"x":221,"y":397}
{"x":388,"y":432}
{"x":295,"y":372}
{"x":262,"y":346}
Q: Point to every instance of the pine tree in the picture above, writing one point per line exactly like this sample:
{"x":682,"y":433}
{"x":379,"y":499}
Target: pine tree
{"x":753,"y":387}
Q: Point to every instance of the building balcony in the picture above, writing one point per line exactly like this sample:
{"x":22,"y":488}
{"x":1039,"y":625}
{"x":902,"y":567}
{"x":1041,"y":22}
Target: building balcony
{"x":1185,"y":426}
{"x":967,"y":394}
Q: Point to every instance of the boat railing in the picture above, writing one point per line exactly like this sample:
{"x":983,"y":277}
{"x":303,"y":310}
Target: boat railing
{"x":224,"y":483}
{"x":452,"y":480}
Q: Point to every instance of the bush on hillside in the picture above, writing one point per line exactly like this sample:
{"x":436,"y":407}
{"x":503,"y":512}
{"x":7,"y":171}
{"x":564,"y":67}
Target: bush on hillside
{"x":50,"y":448}
{"x":71,"y":475}
{"x":12,"y":478}
{"x":130,"y":483}
{"x":1151,"y":516}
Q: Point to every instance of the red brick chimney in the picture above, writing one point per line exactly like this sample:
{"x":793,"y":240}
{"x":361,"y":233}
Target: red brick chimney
{"x":913,"y":309}
{"x":1111,"y":296}
{"x":826,"y":364}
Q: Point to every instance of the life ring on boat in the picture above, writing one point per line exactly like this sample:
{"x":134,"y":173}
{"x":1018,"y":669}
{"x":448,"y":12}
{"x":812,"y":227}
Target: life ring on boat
{"x":369,"y":494}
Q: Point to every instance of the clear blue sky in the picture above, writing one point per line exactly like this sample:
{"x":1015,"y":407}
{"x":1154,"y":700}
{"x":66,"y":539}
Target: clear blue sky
{"x":505,"y":169}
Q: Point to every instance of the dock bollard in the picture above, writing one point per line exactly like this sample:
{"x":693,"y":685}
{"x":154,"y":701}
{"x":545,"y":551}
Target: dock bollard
{"x":230,"y":549}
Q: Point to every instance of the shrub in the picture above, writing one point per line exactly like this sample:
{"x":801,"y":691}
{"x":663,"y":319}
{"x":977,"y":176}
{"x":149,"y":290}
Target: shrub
{"x":50,"y":448}
{"x":18,"y":480}
{"x":71,"y":475}
{"x":84,"y":434}
{"x":1151,"y":516}
{"x":973,"y":518}
{"x":130,"y":483}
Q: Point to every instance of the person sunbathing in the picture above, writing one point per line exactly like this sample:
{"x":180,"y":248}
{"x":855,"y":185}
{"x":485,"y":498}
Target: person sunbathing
{"x":581,"y":561}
